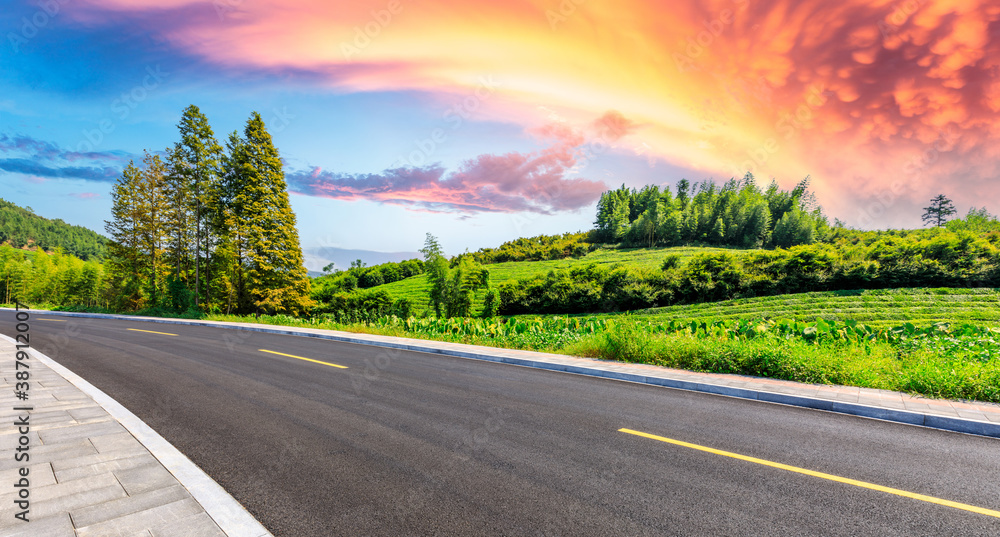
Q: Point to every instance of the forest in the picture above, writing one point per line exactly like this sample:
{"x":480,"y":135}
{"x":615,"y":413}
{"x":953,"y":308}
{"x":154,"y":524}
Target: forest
{"x":22,"y":228}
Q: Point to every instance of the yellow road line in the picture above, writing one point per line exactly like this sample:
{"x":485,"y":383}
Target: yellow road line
{"x":301,"y":358}
{"x":862,"y":484}
{"x":53,"y":320}
{"x":150,"y":332}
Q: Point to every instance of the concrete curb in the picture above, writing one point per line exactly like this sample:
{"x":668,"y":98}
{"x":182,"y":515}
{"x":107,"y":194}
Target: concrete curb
{"x":227,"y":513}
{"x":982,"y":428}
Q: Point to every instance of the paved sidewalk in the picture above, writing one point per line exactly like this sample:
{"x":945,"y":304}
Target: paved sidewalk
{"x":88,"y":475}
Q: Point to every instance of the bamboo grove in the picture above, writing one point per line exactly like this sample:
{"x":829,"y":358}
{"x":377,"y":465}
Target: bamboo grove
{"x":205,"y":228}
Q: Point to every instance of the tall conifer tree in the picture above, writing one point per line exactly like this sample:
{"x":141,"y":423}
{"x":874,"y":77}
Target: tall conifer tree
{"x":266,"y":242}
{"x":196,"y":161}
{"x":153,"y":210}
{"x":125,"y":230}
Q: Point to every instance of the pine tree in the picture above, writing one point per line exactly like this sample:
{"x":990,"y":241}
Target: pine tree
{"x":125,"y":229}
{"x":231,"y":218}
{"x":274,"y":276}
{"x":153,"y":211}
{"x":196,"y":161}
{"x":939,"y":211}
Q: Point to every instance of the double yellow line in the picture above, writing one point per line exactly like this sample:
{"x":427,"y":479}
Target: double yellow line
{"x":821,"y":475}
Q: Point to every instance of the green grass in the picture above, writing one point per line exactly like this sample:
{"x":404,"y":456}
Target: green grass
{"x":877,"y":307}
{"x":416,"y":288}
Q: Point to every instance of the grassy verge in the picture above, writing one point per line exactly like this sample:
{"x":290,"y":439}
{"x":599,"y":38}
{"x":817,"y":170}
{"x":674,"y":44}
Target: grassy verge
{"x":921,"y":368}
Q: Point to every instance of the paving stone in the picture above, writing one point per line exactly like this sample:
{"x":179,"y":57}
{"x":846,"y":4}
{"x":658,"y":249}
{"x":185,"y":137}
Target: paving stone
{"x":86,"y":413}
{"x":75,"y":486}
{"x":199,"y":525}
{"x":104,"y":467}
{"x":53,"y":526}
{"x":67,"y":503}
{"x":60,"y":466}
{"x":145,"y":478}
{"x":39,"y":475}
{"x":84,"y":430}
{"x":160,"y":517}
{"x":123,"y":507}
{"x":115,"y":442}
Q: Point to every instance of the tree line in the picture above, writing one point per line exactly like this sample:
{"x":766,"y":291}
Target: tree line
{"x":737,"y":213}
{"x":207,"y":229}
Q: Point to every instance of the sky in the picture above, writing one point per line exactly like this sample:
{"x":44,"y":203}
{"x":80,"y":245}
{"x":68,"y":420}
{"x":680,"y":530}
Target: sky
{"x":481,"y":121}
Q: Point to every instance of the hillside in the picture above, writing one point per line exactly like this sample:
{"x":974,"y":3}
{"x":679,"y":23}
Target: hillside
{"x":22,"y":228}
{"x":416,"y":288}
{"x":875,"y":307}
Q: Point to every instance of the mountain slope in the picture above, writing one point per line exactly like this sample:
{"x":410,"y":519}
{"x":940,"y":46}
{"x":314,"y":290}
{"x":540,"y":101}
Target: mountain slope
{"x":22,"y":228}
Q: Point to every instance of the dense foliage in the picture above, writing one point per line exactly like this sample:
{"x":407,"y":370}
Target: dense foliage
{"x":54,"y":278}
{"x":20,"y":228}
{"x":965,"y":253}
{"x":739,"y":213}
{"x":540,"y":248}
{"x":207,"y":230}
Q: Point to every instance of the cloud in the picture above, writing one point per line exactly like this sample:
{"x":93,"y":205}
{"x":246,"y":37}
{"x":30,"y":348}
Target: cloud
{"x":512,"y":182}
{"x":850,"y":92}
{"x":613,"y":126}
{"x":45,"y":160}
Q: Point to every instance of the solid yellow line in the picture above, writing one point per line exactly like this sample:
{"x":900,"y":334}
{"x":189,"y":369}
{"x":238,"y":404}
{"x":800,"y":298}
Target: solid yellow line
{"x":863,"y":484}
{"x":306,"y":359}
{"x":53,"y":320}
{"x":150,"y":332}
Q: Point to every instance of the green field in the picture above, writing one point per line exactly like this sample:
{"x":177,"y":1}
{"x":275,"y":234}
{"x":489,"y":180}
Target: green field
{"x":416,"y":288}
{"x":874,"y":307}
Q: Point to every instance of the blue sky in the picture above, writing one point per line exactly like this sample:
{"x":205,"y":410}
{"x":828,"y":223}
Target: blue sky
{"x":482,"y":122}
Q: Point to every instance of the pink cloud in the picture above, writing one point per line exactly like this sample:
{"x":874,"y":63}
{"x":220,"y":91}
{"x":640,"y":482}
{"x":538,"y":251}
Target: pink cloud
{"x":511,"y":182}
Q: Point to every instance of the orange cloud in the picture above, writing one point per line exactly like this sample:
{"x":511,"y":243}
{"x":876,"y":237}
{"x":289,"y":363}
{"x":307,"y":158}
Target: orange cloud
{"x":851,"y":92}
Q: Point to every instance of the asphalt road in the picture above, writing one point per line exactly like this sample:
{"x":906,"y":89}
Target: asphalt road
{"x":408,"y":443}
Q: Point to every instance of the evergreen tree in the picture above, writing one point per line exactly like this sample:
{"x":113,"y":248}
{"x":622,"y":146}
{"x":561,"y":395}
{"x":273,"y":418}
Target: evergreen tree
{"x":196,"y":161}
{"x":273,"y":277}
{"x":939,"y":211}
{"x":153,"y":212}
{"x":124,"y":229}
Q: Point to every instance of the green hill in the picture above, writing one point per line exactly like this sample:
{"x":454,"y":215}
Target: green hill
{"x":416,"y":288}
{"x":22,"y":228}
